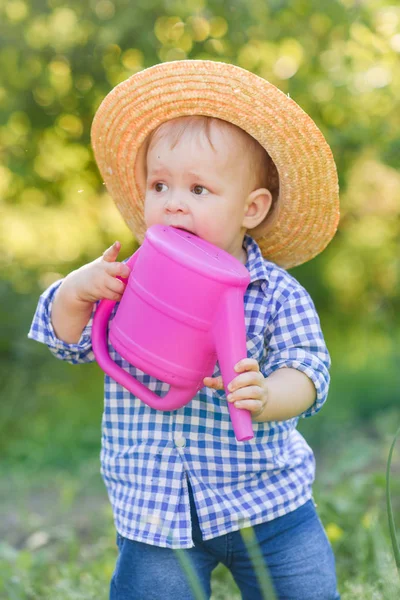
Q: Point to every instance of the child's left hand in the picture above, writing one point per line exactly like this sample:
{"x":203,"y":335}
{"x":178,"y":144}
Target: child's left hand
{"x":248,"y":390}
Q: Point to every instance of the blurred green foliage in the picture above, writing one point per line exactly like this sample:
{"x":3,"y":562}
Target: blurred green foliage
{"x":58,"y":543}
{"x":338,"y":59}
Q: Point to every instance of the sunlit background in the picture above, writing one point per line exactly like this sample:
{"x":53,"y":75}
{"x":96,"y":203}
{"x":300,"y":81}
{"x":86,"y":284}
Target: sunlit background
{"x":340,"y":61}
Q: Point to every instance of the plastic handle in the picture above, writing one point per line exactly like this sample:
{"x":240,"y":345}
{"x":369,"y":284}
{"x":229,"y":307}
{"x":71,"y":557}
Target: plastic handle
{"x":175,"y":398}
{"x":230,"y":341}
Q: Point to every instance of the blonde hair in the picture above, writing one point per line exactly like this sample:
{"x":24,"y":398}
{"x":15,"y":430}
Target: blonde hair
{"x":262,"y":170}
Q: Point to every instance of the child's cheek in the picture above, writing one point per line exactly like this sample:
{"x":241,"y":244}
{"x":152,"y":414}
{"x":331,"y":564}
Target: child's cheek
{"x":150,"y":212}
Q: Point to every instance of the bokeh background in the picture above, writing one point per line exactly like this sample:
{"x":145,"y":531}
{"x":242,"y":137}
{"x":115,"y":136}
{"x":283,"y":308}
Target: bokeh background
{"x":340,"y":61}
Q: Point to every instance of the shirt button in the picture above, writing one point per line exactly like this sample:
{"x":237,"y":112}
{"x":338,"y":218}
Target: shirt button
{"x":180,"y":442}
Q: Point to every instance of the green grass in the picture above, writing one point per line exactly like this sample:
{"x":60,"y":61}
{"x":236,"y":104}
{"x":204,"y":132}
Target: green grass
{"x":58,"y":539}
{"x":56,"y":531}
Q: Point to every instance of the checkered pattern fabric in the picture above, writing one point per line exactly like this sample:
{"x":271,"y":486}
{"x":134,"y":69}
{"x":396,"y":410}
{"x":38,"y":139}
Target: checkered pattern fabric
{"x":148,"y":455}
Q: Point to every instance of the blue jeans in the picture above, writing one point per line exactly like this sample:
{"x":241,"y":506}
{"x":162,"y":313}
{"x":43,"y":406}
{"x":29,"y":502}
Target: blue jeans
{"x":294,"y":547}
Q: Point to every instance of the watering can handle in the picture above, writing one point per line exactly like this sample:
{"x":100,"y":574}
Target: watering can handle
{"x":175,"y":398}
{"x":230,"y":342}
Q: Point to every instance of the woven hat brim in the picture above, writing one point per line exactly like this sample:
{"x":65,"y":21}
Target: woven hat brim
{"x":308,"y":204}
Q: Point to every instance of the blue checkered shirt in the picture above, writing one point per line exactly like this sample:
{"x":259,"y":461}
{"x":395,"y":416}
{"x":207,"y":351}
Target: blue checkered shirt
{"x":147,"y":456}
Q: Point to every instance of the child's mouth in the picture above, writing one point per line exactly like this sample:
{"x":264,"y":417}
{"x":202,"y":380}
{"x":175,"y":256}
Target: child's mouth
{"x":183,"y":229}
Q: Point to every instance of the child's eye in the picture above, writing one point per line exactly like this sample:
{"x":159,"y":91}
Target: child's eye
{"x":199,"y":189}
{"x":159,"y":186}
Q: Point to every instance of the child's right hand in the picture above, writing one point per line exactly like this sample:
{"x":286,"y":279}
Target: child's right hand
{"x":98,"y":279}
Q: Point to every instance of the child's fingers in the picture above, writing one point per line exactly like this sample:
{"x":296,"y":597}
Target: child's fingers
{"x":246,"y":379}
{"x":115,"y":285}
{"x":117,"y":269}
{"x":254,"y":406}
{"x":114,"y":290}
{"x":215,"y":383}
{"x":251,"y":392}
{"x":247,"y":364}
{"x":110,"y":255}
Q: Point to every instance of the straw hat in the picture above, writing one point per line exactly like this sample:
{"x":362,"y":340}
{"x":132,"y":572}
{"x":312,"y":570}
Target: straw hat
{"x":306,"y":214}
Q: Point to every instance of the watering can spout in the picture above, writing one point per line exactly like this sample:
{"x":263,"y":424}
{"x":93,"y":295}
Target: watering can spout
{"x":230,"y":342}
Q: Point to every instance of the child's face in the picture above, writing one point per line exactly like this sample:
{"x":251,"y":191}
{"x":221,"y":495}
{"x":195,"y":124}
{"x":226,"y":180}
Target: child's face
{"x":199,"y":188}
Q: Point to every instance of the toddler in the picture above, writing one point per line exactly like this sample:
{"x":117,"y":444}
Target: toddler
{"x":217,"y":151}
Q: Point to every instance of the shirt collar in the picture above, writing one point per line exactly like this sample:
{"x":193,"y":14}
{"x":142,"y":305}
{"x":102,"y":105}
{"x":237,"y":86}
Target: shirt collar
{"x":256,"y":264}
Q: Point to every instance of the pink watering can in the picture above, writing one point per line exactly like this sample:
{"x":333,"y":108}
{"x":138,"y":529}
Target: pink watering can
{"x":182,"y":309}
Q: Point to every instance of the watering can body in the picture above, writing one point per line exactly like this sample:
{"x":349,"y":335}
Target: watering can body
{"x":181,"y":311}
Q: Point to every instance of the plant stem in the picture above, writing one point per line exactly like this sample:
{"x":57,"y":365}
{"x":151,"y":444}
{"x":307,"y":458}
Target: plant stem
{"x":392,"y":525}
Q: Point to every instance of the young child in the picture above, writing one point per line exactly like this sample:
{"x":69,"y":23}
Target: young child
{"x":215,"y":150}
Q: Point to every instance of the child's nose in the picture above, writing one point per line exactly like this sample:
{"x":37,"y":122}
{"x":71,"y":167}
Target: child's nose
{"x":174,"y":204}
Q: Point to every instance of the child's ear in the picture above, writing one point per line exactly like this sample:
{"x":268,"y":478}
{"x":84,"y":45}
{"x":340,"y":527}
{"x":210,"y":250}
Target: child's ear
{"x":257,"y":206}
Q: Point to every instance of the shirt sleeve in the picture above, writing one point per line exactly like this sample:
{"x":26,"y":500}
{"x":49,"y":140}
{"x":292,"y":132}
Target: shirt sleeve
{"x":294,"y":339}
{"x":42,"y":331}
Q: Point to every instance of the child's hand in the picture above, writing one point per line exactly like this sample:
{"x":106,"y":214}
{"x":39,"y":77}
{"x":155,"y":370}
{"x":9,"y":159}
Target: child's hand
{"x":98,"y":279}
{"x":248,"y":390}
